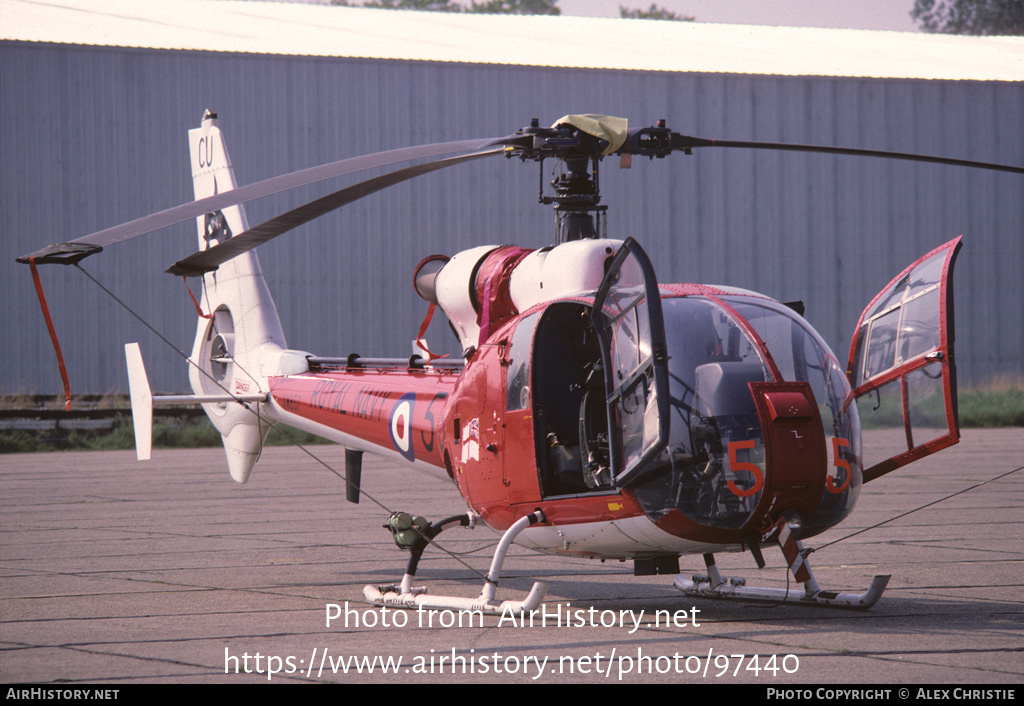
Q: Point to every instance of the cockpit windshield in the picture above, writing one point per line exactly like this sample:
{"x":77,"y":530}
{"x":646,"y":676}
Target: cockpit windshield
{"x":713,"y":469}
{"x":800,"y":355}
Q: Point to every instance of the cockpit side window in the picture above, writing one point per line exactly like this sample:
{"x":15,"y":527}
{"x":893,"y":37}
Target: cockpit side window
{"x":519,"y":356}
{"x":902,"y":365}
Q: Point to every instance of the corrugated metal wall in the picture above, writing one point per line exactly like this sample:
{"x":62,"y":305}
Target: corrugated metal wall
{"x":95,"y":136}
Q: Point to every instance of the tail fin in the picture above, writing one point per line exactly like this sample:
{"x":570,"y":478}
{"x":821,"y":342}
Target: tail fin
{"x":242,"y":343}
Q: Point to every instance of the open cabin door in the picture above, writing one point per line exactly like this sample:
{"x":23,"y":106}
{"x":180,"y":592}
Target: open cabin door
{"x":902,"y":366}
{"x":631,"y":331}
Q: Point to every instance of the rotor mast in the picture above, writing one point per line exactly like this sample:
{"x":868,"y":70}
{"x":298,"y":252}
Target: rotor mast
{"x":577,"y":194}
{"x":579,"y":143}
{"x":577,"y":199}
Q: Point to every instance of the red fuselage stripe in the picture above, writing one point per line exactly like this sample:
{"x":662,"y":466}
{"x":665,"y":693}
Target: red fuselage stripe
{"x":394,"y":409}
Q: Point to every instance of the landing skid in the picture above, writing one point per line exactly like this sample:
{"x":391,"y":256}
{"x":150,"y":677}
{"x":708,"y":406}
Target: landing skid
{"x":715,"y":586}
{"x":811,"y":594}
{"x":406,"y":595}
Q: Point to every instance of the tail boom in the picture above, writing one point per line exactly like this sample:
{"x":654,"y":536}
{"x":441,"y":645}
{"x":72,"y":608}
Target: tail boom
{"x":396,"y":413}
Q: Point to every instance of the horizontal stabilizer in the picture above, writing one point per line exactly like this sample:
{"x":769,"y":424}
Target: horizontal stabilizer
{"x":143,"y":401}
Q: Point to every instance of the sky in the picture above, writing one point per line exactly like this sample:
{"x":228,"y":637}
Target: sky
{"x":850,"y":14}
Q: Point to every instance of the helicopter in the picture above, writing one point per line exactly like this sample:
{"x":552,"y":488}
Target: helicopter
{"x":594,"y":411}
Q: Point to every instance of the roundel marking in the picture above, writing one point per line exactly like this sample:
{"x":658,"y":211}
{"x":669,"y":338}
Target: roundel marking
{"x":401,"y":425}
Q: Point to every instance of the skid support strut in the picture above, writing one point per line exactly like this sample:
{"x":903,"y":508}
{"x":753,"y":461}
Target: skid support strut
{"x":715,"y":586}
{"x":407,"y":596}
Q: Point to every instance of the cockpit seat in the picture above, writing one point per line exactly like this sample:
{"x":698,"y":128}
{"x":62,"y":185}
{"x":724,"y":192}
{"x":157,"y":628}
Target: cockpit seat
{"x":723,"y":388}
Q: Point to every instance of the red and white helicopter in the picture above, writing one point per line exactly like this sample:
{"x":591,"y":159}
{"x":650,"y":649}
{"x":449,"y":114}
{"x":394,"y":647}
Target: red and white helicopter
{"x":595,"y":412}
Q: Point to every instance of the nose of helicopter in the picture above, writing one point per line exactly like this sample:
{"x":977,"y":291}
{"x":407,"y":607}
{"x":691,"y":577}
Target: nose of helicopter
{"x":796,"y":456}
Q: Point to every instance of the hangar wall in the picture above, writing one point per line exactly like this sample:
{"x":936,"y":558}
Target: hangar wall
{"x":93,"y":136}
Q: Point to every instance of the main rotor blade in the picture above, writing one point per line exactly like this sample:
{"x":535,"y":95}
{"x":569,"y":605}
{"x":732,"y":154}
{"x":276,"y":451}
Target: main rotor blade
{"x":686,"y":142}
{"x":93,"y":242}
{"x":211,"y":258}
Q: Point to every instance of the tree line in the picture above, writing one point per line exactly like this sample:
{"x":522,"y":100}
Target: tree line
{"x":977,"y":17}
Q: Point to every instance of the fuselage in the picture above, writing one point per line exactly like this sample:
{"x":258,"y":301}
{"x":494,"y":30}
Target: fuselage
{"x":526,"y":425}
{"x":644,"y":420}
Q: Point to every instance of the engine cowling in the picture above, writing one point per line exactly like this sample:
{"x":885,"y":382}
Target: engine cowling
{"x":479,"y":289}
